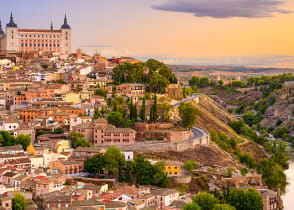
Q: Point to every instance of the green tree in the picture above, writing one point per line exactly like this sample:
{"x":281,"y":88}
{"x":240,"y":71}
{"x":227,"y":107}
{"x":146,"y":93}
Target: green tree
{"x":95,"y":164}
{"x":6,"y":139}
{"x":280,"y":132}
{"x":223,"y":207}
{"x":143,"y":109}
{"x":245,"y":199}
{"x":194,"y":81}
{"x":165,"y":108}
{"x":191,"y":206}
{"x":97,"y":114}
{"x":205,"y":200}
{"x":272,"y":174}
{"x":23,"y":140}
{"x":278,"y":150}
{"x":157,"y":83}
{"x":114,"y":159}
{"x":251,"y":119}
{"x":143,"y":171}
{"x":160,"y":177}
{"x":190,"y":165}
{"x":204,"y":82}
{"x":188,"y":114}
{"x":133,"y":111}
{"x":117,"y":119}
{"x":187,"y":91}
{"x":220,"y":83}
{"x":153,"y":110}
{"x":19,"y":202}
{"x":78,"y":140}
{"x":101,"y":92}
{"x":58,"y":130}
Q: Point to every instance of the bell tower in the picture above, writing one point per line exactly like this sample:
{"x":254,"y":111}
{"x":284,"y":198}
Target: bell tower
{"x":66,"y":37}
{"x":12,"y":42}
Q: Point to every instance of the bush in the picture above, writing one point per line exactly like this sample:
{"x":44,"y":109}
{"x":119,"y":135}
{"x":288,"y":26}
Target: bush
{"x":205,"y":200}
{"x":280,"y":132}
{"x":190,"y":165}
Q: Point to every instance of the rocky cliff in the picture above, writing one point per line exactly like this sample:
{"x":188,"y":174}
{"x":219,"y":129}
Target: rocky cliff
{"x":281,"y":113}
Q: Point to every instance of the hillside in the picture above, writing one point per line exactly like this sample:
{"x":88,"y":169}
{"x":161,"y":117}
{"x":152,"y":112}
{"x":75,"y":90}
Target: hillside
{"x":282,"y":111}
{"x":214,"y":117}
{"x":206,"y":155}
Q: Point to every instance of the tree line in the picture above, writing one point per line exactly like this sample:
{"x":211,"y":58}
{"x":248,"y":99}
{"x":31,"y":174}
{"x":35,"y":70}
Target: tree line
{"x":152,"y":72}
{"x":139,"y":170}
{"x":235,"y":199}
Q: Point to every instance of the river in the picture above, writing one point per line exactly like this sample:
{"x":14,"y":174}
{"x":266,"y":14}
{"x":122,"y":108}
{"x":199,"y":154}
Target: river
{"x":288,"y":197}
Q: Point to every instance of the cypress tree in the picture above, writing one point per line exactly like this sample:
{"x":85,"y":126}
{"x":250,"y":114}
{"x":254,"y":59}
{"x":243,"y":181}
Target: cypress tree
{"x":151,"y":113}
{"x":142,"y":112}
{"x":135,"y":112}
{"x":155,"y":109}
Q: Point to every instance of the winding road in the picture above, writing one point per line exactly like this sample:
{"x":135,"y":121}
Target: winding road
{"x":197,"y":132}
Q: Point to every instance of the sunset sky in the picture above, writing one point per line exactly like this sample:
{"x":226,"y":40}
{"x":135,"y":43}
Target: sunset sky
{"x":203,"y":32}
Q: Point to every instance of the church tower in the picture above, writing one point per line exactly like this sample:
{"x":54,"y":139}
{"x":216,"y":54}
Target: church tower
{"x":12,"y":42}
{"x":66,"y":37}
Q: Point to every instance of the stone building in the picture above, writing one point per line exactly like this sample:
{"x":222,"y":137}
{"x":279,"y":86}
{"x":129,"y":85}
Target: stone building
{"x":174,"y":91}
{"x":100,"y":133}
{"x":18,"y":40}
{"x":160,"y":131}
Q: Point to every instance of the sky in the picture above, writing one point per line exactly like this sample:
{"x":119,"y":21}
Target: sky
{"x":198,"y":32}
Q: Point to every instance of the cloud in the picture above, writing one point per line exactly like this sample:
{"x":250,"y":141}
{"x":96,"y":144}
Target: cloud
{"x":225,"y":8}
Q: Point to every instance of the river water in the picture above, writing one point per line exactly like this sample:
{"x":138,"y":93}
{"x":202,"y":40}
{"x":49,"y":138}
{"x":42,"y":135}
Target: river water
{"x":288,"y":197}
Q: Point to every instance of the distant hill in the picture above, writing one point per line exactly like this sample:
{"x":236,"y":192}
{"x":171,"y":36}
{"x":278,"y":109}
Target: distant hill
{"x":233,"y":69}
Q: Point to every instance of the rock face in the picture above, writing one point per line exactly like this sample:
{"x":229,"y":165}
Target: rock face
{"x":282,"y":110}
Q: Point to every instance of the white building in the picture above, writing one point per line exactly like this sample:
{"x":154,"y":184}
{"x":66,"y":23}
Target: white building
{"x":36,"y":40}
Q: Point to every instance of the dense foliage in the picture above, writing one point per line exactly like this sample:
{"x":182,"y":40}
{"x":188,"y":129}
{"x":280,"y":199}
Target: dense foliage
{"x":140,"y":170}
{"x":271,"y":169}
{"x":153,"y":72}
{"x":205,"y":200}
{"x":78,"y":140}
{"x":199,"y":81}
{"x":190,"y":165}
{"x":19,"y":202}
{"x":188,"y":114}
{"x":245,"y":199}
{"x":223,"y":141}
{"x":227,"y":200}
{"x":8,"y":140}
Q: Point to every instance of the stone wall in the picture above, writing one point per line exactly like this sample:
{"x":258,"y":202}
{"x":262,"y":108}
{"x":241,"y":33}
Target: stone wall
{"x":179,"y":135}
{"x":142,"y":126}
{"x":185,"y":179}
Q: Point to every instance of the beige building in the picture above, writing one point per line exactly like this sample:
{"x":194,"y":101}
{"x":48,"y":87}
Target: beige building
{"x":74,"y":98}
{"x":36,"y":40}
